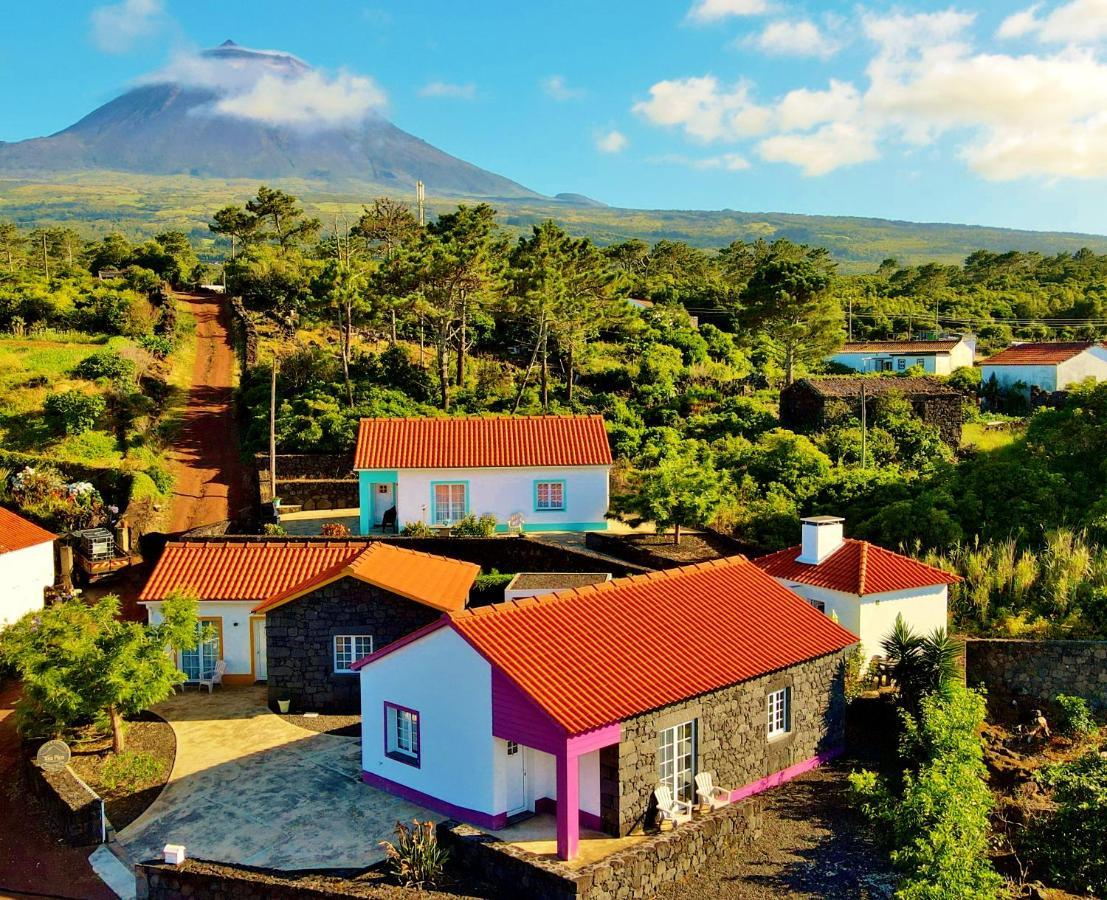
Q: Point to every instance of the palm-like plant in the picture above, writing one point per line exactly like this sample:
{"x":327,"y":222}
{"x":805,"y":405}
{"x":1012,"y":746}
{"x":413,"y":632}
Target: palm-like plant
{"x":921,"y":664}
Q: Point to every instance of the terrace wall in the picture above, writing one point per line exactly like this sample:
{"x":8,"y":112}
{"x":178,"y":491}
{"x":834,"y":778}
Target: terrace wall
{"x":1031,"y":673}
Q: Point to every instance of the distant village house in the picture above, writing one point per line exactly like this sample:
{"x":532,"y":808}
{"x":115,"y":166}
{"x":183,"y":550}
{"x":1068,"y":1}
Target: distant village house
{"x":937,"y":357}
{"x":26,"y":566}
{"x":1046,"y":366}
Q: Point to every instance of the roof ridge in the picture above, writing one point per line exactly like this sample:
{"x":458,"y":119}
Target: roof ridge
{"x":862,"y":568}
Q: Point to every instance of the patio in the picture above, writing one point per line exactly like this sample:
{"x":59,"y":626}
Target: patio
{"x":537,"y":835}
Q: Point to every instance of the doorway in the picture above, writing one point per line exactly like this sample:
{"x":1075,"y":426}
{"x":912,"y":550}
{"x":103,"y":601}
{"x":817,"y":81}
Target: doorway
{"x":516,"y":777}
{"x":257,"y":645}
{"x":384,"y":498}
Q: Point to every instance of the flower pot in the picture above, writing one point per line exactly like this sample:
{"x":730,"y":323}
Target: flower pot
{"x":283,"y":705}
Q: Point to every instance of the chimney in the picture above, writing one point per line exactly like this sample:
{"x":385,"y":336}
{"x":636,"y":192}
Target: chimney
{"x":822,"y":535}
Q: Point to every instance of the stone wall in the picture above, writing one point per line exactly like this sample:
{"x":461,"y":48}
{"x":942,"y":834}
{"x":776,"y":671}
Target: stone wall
{"x":637,"y":871}
{"x":731,"y":726}
{"x":216,"y":881}
{"x":300,"y":641}
{"x":1032,"y":673}
{"x":245,"y":334}
{"x":310,"y":480}
{"x":75,"y":812}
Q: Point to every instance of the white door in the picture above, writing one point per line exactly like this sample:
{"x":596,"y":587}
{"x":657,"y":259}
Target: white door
{"x":382,"y":501}
{"x":516,"y":775}
{"x":258,"y":626}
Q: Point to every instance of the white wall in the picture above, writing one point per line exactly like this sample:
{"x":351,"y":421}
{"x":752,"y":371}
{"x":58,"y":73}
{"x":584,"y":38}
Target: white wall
{"x":847,"y":607}
{"x":1092,"y":363}
{"x":590,"y":782}
{"x":1042,"y":377}
{"x":24,"y":575}
{"x":924,"y":609}
{"x":932,"y":363}
{"x":450,"y":685}
{"x":236,"y":629}
{"x":503,"y":492}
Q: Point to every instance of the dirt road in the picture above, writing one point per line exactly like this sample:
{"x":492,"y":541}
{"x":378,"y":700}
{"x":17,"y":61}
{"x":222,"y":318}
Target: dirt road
{"x":211,"y":479}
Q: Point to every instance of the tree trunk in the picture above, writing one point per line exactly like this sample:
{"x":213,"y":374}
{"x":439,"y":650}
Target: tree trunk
{"x":460,"y":376}
{"x":526,"y":376}
{"x":676,"y":533}
{"x":232,"y":248}
{"x":347,"y":333}
{"x":545,"y":371}
{"x":118,"y":739}
{"x":45,"y":258}
{"x":789,"y":364}
{"x":444,"y":372}
{"x":569,"y":378}
{"x":392,"y":333}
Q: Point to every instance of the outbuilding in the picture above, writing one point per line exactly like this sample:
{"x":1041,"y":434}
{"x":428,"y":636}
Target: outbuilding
{"x":26,"y":566}
{"x":1046,"y":366}
{"x":937,"y":357}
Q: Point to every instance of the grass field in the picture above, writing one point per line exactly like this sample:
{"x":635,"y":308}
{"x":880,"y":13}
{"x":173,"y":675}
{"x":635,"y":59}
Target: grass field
{"x":974,"y":434}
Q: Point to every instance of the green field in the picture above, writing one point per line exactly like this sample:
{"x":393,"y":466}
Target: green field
{"x":975,"y":434}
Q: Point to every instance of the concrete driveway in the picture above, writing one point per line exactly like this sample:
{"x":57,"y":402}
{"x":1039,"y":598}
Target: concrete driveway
{"x":249,"y":788}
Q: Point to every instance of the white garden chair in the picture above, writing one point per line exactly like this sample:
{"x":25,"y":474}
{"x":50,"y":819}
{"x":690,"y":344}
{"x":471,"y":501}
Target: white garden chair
{"x":709,"y":795}
{"x":676,"y":811}
{"x":212,"y":677}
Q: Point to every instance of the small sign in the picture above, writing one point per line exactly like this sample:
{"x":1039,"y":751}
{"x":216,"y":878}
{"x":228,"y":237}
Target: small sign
{"x":53,"y":756}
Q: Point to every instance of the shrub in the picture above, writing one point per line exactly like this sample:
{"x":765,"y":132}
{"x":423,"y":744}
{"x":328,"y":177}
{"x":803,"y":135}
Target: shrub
{"x":105,"y":364}
{"x":156,"y":345}
{"x":161,"y":477}
{"x":1076,"y":719}
{"x":417,"y":529}
{"x":471,"y":526}
{"x":334,"y":530}
{"x":416,"y":858}
{"x":71,"y":412}
{"x":130,"y":770}
{"x":273,"y":529}
{"x":490,"y":581}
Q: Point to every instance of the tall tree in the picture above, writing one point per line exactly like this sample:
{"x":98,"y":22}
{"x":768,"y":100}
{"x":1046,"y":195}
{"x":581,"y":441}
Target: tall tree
{"x":237,"y":224}
{"x":348,"y":295}
{"x":12,"y":242}
{"x":681,"y":489}
{"x":279,"y":218}
{"x":788,"y":299}
{"x":385,"y":227}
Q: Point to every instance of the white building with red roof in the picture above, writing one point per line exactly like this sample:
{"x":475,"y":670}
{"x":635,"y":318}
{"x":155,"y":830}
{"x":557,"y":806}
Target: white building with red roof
{"x":542,"y":473}
{"x":516,"y":709}
{"x":864,"y":586}
{"x":26,"y":566}
{"x":937,"y":357}
{"x":1047,"y":366}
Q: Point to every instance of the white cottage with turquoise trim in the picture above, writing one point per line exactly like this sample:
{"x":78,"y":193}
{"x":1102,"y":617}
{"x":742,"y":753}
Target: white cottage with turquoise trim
{"x":544,"y":473}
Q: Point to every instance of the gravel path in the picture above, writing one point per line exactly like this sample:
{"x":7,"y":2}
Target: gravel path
{"x":812,"y":846}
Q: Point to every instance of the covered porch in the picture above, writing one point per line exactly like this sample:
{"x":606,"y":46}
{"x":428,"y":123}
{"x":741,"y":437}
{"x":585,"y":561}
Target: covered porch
{"x":537,"y":835}
{"x":377,"y":497}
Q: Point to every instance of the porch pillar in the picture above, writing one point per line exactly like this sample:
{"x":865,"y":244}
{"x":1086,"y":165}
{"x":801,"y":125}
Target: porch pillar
{"x":568,"y":803}
{"x":365,"y":503}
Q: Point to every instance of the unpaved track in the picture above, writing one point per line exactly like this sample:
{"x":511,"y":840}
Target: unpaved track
{"x":210,"y":477}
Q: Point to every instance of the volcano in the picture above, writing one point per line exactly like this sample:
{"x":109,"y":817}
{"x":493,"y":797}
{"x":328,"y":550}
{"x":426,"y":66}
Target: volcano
{"x":234,"y":112}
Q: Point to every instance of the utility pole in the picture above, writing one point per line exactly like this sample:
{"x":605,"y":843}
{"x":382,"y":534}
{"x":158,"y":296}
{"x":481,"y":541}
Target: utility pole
{"x":851,"y":317}
{"x":421,"y":200}
{"x":273,"y":433}
{"x":864,"y":429}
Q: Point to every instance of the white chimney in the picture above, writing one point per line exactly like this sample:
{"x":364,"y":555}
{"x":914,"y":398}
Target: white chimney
{"x":822,"y":535}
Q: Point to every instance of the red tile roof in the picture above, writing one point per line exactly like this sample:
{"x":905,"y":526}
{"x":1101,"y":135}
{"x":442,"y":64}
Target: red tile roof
{"x":857,"y":567}
{"x":16,"y":533}
{"x":1038,"y":353}
{"x":901,"y":346}
{"x":243,"y":571}
{"x":470,"y":443}
{"x":600,"y":654}
{"x":434,"y":581}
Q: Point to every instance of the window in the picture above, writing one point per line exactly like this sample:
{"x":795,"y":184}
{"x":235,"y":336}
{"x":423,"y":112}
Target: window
{"x":450,"y":501}
{"x":780,"y":719}
{"x":349,"y":648}
{"x":512,"y":748}
{"x":901,"y":364}
{"x":549,"y":495}
{"x":201,"y":659}
{"x":818,"y":604}
{"x":676,"y":760}
{"x":401,"y":734}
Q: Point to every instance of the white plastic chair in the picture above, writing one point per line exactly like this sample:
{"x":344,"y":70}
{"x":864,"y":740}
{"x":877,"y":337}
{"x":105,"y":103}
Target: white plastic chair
{"x":676,"y":811}
{"x":213,"y":677}
{"x":710,"y":795}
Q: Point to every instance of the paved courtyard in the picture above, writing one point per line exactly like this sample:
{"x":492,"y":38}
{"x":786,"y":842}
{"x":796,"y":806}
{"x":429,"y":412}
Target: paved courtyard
{"x":249,"y":788}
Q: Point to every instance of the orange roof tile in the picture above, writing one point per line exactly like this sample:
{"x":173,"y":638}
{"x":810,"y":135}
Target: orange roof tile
{"x":247,"y":571}
{"x":943,"y":346}
{"x":857,"y":567}
{"x":1037,"y":353}
{"x":434,"y":581}
{"x":597,"y":655}
{"x":469,"y":443}
{"x":16,"y":533}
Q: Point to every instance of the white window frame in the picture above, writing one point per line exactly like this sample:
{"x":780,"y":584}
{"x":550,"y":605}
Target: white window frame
{"x":548,"y":484}
{"x":351,"y":651}
{"x":453,"y":512}
{"x":676,"y":760}
{"x":778,"y":709}
{"x":403,"y":738}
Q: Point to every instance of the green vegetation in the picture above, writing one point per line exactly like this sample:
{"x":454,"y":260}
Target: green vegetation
{"x":127,"y":771}
{"x":1076,"y":718}
{"x":416,"y":859}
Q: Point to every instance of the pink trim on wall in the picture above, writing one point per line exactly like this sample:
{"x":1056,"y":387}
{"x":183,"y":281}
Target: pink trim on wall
{"x":516,"y":717}
{"x":587,"y":741}
{"x":778,"y":778}
{"x":480,"y":819}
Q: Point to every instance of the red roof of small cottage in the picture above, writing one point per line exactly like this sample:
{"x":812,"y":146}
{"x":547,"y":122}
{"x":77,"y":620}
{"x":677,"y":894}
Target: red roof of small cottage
{"x":472,"y":443}
{"x":1039,"y":353}
{"x":600,"y":654}
{"x":16,"y":533}
{"x":857,"y":567}
{"x":940,"y":346}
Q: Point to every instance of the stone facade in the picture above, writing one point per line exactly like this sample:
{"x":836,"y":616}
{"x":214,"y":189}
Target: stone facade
{"x":1032,"y":673}
{"x":731,"y":742}
{"x":300,"y":641}
{"x":637,"y":871}
{"x":309,"y":480}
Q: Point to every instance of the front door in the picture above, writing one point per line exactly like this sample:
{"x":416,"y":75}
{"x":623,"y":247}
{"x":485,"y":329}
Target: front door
{"x":383,"y":501}
{"x":516,"y":773}
{"x":258,"y":639}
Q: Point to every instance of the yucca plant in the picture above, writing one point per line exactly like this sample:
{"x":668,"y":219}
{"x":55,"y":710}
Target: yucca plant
{"x":416,"y":857}
{"x":921,"y":665}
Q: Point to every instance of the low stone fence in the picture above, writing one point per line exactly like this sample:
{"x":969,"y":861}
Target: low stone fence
{"x":623,"y":546}
{"x":639,"y":870}
{"x":1032,"y":672}
{"x":214,"y":881}
{"x":74,"y":810}
{"x":309,"y":480}
{"x":245,"y":334}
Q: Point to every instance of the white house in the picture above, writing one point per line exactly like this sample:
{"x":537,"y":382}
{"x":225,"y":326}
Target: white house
{"x":1048,"y":366}
{"x":865,"y":586}
{"x":26,"y":566}
{"x":939,"y":357}
{"x":546,"y":473}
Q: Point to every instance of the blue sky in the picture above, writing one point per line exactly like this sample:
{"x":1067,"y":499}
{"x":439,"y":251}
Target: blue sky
{"x":987,"y":113}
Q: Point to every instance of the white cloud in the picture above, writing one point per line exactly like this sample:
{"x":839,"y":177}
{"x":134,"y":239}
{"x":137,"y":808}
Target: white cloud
{"x":613,"y":141}
{"x":796,"y":38}
{"x":558,"y":88}
{"x":714,"y":10}
{"x":273,"y":87}
{"x":830,"y":147}
{"x":117,"y":27}
{"x":1080,"y":22}
{"x":704,"y":109}
{"x":448,"y":90}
